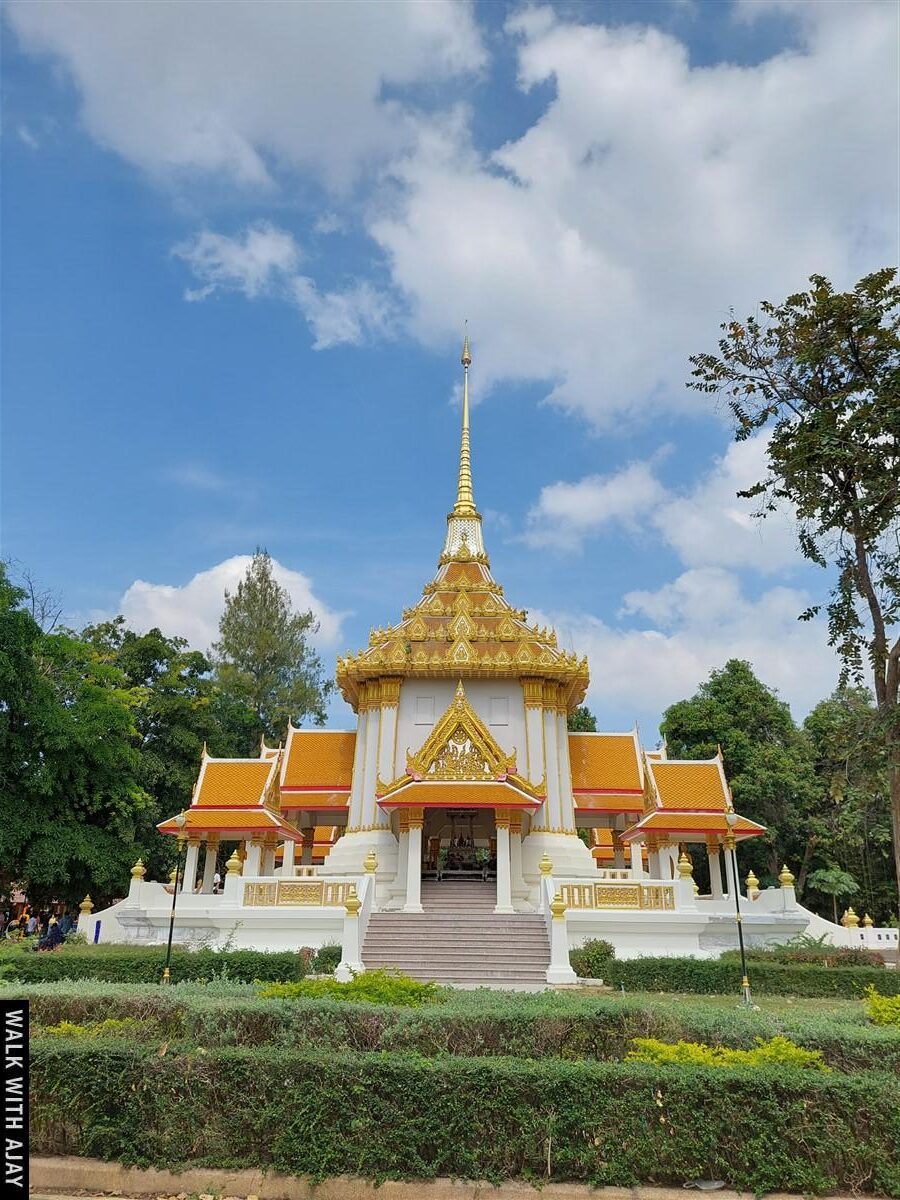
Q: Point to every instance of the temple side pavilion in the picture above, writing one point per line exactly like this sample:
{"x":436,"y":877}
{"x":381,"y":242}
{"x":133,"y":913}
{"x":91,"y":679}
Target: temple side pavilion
{"x":461,"y":773}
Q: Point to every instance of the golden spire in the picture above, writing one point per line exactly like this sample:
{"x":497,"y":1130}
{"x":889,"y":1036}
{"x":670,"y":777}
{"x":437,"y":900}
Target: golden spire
{"x":465,"y":500}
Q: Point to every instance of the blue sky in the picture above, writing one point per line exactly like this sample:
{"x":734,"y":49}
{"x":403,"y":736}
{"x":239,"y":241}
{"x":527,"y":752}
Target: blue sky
{"x":239,"y":245}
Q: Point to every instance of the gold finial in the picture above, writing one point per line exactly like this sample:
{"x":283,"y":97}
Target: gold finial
{"x":685,"y":867}
{"x":465,"y":500}
{"x":786,"y":878}
{"x":173,"y":875}
{"x":558,"y":907}
{"x":370,"y":862}
{"x":233,"y":866}
{"x":851,"y":920}
{"x":352,"y":904}
{"x":86,"y":906}
{"x":138,"y":871}
{"x":752,"y":885}
{"x":545,"y":866}
{"x":867,"y":921}
{"x":460,"y":692}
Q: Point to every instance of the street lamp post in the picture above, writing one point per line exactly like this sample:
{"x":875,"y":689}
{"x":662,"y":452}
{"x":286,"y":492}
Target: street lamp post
{"x":180,"y":821}
{"x":730,"y":846}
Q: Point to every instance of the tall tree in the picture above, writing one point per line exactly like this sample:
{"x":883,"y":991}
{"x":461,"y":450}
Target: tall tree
{"x":822,"y":372}
{"x":72,"y":807}
{"x":853,"y":818}
{"x":766,"y":759}
{"x":263,"y":657}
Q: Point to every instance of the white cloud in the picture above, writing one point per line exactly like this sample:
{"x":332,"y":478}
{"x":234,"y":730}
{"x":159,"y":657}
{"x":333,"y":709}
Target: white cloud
{"x":248,"y":88}
{"x":197,"y":477}
{"x":706,"y":524}
{"x":711,"y":526}
{"x":254,"y":263}
{"x":565,"y":513}
{"x":667,"y":642}
{"x":263,"y":261}
{"x":606,"y":244}
{"x":193,"y":610}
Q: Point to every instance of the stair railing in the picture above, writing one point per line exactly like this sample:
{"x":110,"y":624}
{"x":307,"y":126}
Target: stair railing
{"x":554,"y":909}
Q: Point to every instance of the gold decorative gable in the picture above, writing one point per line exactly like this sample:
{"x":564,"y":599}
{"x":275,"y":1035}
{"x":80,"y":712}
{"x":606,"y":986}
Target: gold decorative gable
{"x":460,"y":747}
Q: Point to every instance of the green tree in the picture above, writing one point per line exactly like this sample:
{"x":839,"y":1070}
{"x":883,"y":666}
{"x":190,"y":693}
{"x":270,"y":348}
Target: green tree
{"x":850,"y":761}
{"x":766,"y":760}
{"x":71,"y":803}
{"x":582,"y":720}
{"x":181,"y":708}
{"x":821,"y":372}
{"x":833,"y":882}
{"x":263,"y":657}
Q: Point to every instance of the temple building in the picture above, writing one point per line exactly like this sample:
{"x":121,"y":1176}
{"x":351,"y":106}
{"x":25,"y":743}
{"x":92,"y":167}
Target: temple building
{"x":461,"y":791}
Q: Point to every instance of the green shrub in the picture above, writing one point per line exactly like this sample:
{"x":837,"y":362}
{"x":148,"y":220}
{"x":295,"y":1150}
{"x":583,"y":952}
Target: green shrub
{"x":882,"y":1010}
{"x":722,"y":976}
{"x":777,"y":1051}
{"x":144,"y":964}
{"x":327,"y":958}
{"x":590,"y":959}
{"x":110,"y":1027}
{"x":372,"y":987}
{"x":478,"y":1023}
{"x":386,"y":1116}
{"x":816,"y":955}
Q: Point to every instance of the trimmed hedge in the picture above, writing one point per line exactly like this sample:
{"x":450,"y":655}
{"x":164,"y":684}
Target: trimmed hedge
{"x":401,"y":1116}
{"x":479,"y":1024}
{"x":707,"y":976}
{"x":144,"y":964}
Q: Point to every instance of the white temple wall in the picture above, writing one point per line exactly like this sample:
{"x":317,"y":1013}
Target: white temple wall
{"x":498,"y":703}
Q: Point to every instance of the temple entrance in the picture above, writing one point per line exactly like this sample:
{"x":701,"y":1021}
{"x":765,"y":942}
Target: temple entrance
{"x":459,"y":843}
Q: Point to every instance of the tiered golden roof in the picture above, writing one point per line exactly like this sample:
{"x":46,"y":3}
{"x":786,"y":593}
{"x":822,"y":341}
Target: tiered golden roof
{"x":463,"y":625}
{"x":606,"y":771}
{"x":237,"y":797}
{"x":685,"y":800}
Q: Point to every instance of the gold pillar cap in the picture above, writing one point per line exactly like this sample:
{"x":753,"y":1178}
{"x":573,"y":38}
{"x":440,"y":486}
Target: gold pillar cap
{"x":867,"y":921}
{"x":233,"y":866}
{"x":852,"y":920}
{"x":786,"y":877}
{"x":558,"y":907}
{"x":685,"y":866}
{"x":87,"y":904}
{"x":545,"y":866}
{"x":353,"y":903}
{"x":370,"y":862}
{"x":138,"y":871}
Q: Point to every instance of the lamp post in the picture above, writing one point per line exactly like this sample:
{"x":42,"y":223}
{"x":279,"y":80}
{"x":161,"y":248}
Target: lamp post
{"x":731,"y":821}
{"x":180,"y":821}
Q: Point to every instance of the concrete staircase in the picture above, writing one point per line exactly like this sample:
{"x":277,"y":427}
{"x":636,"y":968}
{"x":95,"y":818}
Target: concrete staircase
{"x":459,"y":938}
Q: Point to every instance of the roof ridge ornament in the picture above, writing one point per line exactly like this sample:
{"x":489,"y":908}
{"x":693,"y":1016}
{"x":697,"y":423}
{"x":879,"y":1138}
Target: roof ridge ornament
{"x":465,"y":499}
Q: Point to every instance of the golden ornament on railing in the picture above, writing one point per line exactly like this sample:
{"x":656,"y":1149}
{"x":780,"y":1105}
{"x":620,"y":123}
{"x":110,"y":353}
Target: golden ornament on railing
{"x":545,"y":866}
{"x":786,"y":877}
{"x":233,"y":866}
{"x":851,"y":920}
{"x":138,"y":871}
{"x":867,"y":921}
{"x":752,"y":885}
{"x":685,"y":867}
{"x":173,"y":875}
{"x":370,"y":862}
{"x":558,"y":907}
{"x":86,"y":906}
{"x":353,"y":903}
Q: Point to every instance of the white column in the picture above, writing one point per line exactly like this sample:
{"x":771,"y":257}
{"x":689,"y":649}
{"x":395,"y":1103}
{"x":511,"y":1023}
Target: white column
{"x":354,"y":817}
{"x":566,"y":797}
{"x":715,"y":873}
{"x":253,"y":861}
{"x":729,"y":874}
{"x":637,"y":865}
{"x":370,"y":767}
{"x":287,"y":861}
{"x":414,"y":867}
{"x":504,"y":892}
{"x":209,"y":867}
{"x":553,"y":818}
{"x":517,"y":883}
{"x":268,"y":860}
{"x":189,"y":876}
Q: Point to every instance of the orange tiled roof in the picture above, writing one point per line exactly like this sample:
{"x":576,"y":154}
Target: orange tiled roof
{"x":604,"y":762}
{"x":318,"y":759}
{"x":314,"y":801}
{"x":496,"y":794}
{"x":690,"y":785}
{"x":229,"y":782}
{"x":679,"y":823}
{"x":231,"y":820}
